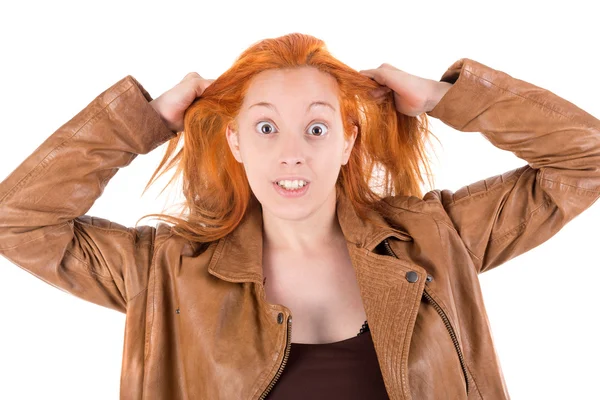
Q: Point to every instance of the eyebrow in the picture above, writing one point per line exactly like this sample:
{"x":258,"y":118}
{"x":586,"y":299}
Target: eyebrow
{"x":313,"y":104}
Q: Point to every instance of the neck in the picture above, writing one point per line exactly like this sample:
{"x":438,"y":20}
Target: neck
{"x":319,"y":230}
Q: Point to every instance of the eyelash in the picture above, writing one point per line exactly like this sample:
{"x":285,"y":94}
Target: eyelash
{"x":312,"y":123}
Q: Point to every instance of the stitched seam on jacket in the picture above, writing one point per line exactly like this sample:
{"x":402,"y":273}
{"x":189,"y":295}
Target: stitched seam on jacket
{"x":452,"y":228}
{"x":439,"y":300}
{"x":154,"y":250}
{"x":510,"y":230}
{"x":430,"y":215}
{"x":473,"y":378}
{"x":407,"y":338}
{"x":472,"y":254}
{"x":492,"y":188}
{"x":86,"y":275}
{"x":573,"y":186}
{"x":137,"y":294}
{"x":516,"y":228}
{"x":411,"y":210}
{"x":435,"y":220}
{"x":36,"y":238}
{"x":149,"y":334}
{"x":152,"y":271}
{"x":35,"y":171}
{"x":110,"y":230}
{"x":89,"y":269}
{"x":543,"y":105}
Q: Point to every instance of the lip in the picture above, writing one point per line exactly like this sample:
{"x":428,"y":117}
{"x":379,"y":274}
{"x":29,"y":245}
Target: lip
{"x":291,"y":178}
{"x":291,"y":193}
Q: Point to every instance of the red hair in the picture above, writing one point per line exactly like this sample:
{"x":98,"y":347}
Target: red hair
{"x":387,"y":158}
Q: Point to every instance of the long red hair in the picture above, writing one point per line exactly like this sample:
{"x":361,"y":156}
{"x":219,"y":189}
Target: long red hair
{"x":388,"y":157}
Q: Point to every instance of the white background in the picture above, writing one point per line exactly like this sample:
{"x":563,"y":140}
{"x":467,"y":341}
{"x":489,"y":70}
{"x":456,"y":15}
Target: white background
{"x":57,"y":56}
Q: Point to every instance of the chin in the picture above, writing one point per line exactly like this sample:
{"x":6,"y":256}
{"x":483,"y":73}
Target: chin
{"x":290,"y":211}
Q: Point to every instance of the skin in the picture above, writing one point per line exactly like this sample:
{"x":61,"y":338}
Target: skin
{"x":288,"y":139}
{"x":307,"y":223}
{"x":304,"y":251}
{"x":413,"y":95}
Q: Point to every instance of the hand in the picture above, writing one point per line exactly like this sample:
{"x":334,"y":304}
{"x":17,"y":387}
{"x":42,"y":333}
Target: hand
{"x":413,"y":95}
{"x":172,"y":104}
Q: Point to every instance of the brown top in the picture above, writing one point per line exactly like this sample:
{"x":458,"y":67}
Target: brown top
{"x":347,"y":369}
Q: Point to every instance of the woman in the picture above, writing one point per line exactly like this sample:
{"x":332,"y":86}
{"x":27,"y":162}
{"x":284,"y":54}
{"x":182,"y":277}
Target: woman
{"x":301,"y":178}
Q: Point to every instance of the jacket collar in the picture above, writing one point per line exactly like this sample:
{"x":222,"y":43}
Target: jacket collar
{"x":238,"y":256}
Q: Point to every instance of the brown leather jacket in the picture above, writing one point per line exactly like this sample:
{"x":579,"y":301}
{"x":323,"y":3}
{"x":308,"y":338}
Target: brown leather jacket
{"x":197,"y":323}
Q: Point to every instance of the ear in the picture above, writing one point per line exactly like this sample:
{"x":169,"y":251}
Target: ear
{"x":234,"y":142}
{"x":349,"y":145}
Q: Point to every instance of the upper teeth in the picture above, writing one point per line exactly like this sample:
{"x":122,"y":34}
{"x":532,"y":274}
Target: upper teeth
{"x":292,"y":184}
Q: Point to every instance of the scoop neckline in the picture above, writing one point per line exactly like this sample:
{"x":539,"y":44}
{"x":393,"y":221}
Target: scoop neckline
{"x":332,"y":343}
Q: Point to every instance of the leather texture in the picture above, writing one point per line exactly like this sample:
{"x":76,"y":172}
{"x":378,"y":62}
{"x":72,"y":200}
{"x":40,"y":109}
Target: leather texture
{"x":197,"y":323}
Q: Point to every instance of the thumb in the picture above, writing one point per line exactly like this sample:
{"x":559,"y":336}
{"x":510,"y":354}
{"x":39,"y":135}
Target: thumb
{"x":200,"y":85}
{"x":378,"y":75}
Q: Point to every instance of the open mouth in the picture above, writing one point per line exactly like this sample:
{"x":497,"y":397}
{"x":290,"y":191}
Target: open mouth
{"x":291,"y":191}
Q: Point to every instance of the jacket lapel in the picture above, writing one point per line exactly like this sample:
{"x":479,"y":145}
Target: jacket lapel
{"x":238,"y":256}
{"x":390,"y":299}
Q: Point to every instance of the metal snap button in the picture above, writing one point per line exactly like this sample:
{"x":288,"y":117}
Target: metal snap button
{"x":429,"y":278}
{"x":412,"y":276}
{"x":280,"y":318}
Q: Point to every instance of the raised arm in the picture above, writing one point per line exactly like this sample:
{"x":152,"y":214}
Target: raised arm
{"x":506,"y":215}
{"x":43,"y":228}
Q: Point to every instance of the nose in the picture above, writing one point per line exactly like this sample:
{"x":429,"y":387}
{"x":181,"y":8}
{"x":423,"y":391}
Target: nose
{"x":291,"y":150}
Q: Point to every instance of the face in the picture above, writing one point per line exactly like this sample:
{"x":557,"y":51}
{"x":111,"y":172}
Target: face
{"x":296,"y":132}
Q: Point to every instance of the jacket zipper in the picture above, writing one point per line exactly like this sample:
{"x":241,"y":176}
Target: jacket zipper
{"x":288,"y":346}
{"x":444,"y":318}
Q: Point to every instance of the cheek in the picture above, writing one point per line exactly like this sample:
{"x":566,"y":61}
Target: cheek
{"x":327,"y":163}
{"x":246,"y":148}
{"x":255,"y":163}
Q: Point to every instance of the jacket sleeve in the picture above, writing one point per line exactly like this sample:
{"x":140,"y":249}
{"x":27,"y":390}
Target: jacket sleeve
{"x":43,"y":228}
{"x":506,"y":215}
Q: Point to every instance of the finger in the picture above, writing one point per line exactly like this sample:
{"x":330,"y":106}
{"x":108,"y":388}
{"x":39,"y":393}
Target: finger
{"x":378,"y":69}
{"x":191,"y":75}
{"x":370,"y":73}
{"x":378,"y":75}
{"x":201,"y":86}
{"x":388,"y":66}
{"x":380,"y":93}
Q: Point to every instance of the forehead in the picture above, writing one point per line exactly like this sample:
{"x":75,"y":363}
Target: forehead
{"x":301,"y":83}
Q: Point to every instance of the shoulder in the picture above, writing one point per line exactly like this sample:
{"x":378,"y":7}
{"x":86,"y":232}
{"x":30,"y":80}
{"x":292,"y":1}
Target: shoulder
{"x":167,"y":240}
{"x":429,"y":206}
{"x":424,"y":218}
